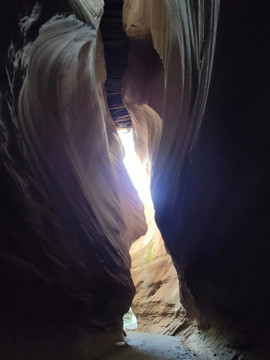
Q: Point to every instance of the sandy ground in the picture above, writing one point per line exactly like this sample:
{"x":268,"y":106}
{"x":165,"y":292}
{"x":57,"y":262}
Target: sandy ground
{"x":142,"y":346}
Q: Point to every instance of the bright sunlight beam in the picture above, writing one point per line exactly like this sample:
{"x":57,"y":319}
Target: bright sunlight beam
{"x":135,"y":168}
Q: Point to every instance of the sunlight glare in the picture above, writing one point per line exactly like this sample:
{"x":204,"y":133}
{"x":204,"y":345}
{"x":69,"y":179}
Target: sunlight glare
{"x":135,"y":168}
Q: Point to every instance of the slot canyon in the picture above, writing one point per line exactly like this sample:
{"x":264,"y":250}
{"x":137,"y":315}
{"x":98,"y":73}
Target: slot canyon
{"x":186,"y":82}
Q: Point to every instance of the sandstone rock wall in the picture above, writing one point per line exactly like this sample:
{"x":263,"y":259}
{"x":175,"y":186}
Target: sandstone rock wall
{"x":69,"y":211}
{"x":215,"y":224}
{"x":156,"y":303}
{"x":224,"y":229}
{"x":182,"y":35}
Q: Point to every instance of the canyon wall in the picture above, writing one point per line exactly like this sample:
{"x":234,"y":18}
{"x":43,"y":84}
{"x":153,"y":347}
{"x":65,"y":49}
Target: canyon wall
{"x":222,"y":238}
{"x":69,"y":212}
{"x":210,"y":191}
{"x":157,"y":302}
{"x":165,"y":91}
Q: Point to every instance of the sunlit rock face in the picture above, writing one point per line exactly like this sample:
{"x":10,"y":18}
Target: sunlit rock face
{"x":156,"y":303}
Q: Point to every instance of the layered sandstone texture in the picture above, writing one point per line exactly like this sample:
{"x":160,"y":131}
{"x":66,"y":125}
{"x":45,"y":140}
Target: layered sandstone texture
{"x":156,"y":303}
{"x":165,"y":93}
{"x":209,"y":179}
{"x":69,"y":212}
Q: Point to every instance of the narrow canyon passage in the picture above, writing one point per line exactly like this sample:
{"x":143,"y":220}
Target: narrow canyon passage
{"x":79,"y":245}
{"x":157,"y":302}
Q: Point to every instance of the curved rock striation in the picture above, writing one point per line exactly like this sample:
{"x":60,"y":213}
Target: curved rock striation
{"x":210,"y":191}
{"x":183,"y":35}
{"x":156,"y":303}
{"x":70,"y":211}
{"x":58,"y":122}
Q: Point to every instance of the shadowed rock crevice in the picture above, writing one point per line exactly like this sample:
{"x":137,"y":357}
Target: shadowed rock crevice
{"x":116,"y":48}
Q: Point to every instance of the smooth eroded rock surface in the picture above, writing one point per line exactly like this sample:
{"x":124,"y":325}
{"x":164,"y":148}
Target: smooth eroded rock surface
{"x":69,"y":211}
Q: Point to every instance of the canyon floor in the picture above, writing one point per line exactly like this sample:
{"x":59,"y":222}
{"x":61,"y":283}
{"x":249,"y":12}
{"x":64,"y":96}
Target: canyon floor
{"x":143,"y":346}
